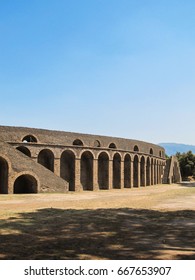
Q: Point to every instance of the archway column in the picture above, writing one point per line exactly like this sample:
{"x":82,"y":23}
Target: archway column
{"x":57,"y":166}
{"x":145,"y":171}
{"x":131,"y":174}
{"x":122,"y":174}
{"x":152,"y":174}
{"x":95,"y":175}
{"x":138,"y":177}
{"x":110,"y":177}
{"x":78,"y":174}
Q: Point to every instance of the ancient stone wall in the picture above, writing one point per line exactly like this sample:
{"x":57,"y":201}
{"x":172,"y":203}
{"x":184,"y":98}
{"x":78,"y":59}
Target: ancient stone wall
{"x":64,"y":161}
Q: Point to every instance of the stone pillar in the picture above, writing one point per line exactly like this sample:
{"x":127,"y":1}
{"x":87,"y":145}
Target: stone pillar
{"x":122,"y":174}
{"x":152,"y":174}
{"x":78,"y":186}
{"x":138,"y":177}
{"x":57,"y":167}
{"x":131,"y":179}
{"x":145,"y":175}
{"x":155,"y":174}
{"x":95,"y":175}
{"x":110,"y":179}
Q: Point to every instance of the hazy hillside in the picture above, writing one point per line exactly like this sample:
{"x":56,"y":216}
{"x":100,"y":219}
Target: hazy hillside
{"x":173,"y":148}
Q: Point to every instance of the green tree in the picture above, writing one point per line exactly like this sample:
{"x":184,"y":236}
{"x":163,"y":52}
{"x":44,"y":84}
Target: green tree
{"x":187,"y":163}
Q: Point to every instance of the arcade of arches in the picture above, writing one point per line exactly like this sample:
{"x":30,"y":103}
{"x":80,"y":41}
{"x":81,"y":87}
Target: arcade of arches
{"x":105,"y":171}
{"x":89,"y":173}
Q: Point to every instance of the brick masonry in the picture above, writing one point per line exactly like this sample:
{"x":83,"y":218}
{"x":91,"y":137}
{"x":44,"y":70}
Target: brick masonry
{"x":37,"y":160}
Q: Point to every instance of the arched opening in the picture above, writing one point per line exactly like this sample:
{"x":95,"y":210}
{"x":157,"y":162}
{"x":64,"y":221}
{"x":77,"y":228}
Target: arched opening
{"x":160,"y":154}
{"x":103,"y":171}
{"x":112,"y":146}
{"x":117,"y":171}
{"x":3,"y":176}
{"x":67,"y":168}
{"x":148,"y":172}
{"x":24,"y":150}
{"x":25,"y":184}
{"x":136,"y":171}
{"x":136,"y":149}
{"x":97,"y":143}
{"x":29,"y":139}
{"x":46,"y":158}
{"x":142,"y":172}
{"x":87,"y":171}
{"x":77,"y":142}
{"x":127,"y":171}
{"x":151,"y":151}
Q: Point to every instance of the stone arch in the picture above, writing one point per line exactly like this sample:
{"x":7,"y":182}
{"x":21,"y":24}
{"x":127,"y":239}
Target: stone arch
{"x":77,"y":142}
{"x":24,"y":150}
{"x":29,"y":139}
{"x":25,"y":183}
{"x":136,"y":149}
{"x":136,"y":171}
{"x":103,"y":171}
{"x":142,"y":172}
{"x":117,"y":171}
{"x":112,"y":146}
{"x":46,"y":158}
{"x":87,"y":170}
{"x":97,"y":143}
{"x":4,"y":170}
{"x":67,"y":168}
{"x":127,"y":171}
{"x":148,"y":173}
{"x":151,"y":151}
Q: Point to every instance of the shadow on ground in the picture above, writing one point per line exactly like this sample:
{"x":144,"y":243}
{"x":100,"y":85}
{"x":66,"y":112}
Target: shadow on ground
{"x":187,"y":184}
{"x":98,"y":234}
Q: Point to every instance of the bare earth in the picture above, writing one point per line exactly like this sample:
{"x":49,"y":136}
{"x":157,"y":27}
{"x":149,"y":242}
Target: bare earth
{"x":155,"y":222}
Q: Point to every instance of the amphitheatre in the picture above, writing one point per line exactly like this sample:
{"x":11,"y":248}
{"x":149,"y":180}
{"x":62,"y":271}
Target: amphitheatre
{"x":71,"y":196}
{"x":37,"y":161}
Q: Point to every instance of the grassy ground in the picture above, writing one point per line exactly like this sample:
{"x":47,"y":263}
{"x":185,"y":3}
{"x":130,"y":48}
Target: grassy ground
{"x":146,"y":223}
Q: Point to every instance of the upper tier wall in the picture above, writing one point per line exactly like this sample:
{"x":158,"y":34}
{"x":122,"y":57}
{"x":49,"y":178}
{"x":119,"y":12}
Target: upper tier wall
{"x":51,"y":137}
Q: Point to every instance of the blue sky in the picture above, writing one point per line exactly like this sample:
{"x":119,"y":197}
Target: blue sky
{"x":122,"y":68}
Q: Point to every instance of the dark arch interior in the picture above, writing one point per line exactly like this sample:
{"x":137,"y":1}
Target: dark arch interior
{"x":87,"y":171}
{"x":24,"y":150}
{"x":77,"y":142}
{"x":46,"y":158}
{"x":116,"y":171}
{"x":136,"y":149}
{"x":112,"y":146}
{"x":103,"y":171}
{"x":29,"y":139}
{"x":135,"y":171}
{"x":151,"y":151}
{"x":25,"y":184}
{"x":3,"y":176}
{"x":127,"y":171}
{"x":142,"y":172}
{"x":148,"y":172}
{"x":67,"y":168}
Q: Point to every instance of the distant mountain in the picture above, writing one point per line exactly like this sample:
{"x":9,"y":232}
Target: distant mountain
{"x":173,"y":148}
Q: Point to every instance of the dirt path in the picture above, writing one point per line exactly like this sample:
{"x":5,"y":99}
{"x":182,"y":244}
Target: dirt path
{"x":156,"y":222}
{"x":163,"y":197}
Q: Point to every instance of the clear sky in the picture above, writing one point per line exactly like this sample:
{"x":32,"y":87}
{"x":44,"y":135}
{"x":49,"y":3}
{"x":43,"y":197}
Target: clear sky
{"x":122,"y":68}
